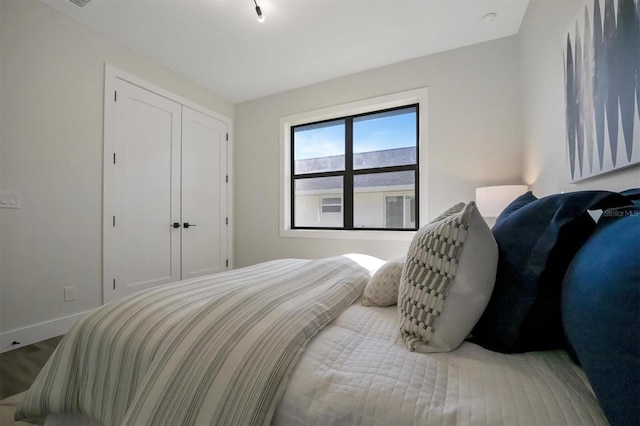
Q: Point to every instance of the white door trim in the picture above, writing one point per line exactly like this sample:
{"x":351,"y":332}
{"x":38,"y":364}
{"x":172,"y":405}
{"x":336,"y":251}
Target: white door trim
{"x":112,"y":74}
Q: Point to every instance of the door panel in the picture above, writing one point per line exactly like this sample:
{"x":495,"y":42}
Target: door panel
{"x":204,"y":194}
{"x":146,"y":189}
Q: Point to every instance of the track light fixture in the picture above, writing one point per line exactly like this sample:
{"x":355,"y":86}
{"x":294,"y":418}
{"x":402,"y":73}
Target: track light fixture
{"x":259,"y":12}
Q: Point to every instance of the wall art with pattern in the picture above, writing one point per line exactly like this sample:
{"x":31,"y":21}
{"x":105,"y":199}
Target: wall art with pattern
{"x":602,"y":88}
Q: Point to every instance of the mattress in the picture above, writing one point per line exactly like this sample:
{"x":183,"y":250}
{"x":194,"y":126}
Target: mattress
{"x":356,"y":372}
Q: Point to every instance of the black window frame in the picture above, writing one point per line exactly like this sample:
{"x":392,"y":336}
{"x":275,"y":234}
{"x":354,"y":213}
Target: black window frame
{"x":349,"y":172}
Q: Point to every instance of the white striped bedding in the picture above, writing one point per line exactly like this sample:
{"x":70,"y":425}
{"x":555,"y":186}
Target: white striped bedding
{"x":357,"y":372}
{"x":210,"y":350}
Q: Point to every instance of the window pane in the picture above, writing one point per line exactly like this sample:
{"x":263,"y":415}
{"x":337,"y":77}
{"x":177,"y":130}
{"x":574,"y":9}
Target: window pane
{"x":385,"y":139}
{"x":394,"y":211}
{"x":331,"y":209}
{"x":319,"y":147}
{"x":410,"y":210}
{"x":308,"y":204}
{"x":331,"y":200}
{"x":383,"y":200}
{"x":331,"y":205}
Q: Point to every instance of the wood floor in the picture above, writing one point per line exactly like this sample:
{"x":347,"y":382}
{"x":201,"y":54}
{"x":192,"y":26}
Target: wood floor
{"x":19,"y":368}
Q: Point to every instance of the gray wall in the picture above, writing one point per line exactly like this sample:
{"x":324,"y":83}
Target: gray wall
{"x":52,"y":82}
{"x":473,"y":140}
{"x":541,"y":48}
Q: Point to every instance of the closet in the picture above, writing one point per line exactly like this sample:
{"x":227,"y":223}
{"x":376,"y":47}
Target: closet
{"x":165,"y":188}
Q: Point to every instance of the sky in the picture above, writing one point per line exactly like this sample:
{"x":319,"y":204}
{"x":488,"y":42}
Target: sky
{"x":370,"y":133}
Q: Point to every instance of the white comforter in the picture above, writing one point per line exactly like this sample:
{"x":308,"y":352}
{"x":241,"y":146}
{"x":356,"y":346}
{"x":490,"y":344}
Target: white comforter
{"x":354,"y":372}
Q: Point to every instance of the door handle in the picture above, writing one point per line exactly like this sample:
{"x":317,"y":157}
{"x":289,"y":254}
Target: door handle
{"x":187,"y":224}
{"x":176,"y":225}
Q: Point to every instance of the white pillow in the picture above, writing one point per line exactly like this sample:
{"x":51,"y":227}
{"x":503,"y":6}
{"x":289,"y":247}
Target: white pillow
{"x":382,"y":288}
{"x":447,"y":280}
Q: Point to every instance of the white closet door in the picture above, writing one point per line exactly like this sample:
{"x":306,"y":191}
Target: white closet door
{"x":146,"y":249}
{"x":204,"y":194}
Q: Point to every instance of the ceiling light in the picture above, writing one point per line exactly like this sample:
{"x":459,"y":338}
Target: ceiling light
{"x":259,"y":12}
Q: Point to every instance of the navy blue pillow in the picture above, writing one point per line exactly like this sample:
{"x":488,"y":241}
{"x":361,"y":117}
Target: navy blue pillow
{"x":601,"y":313}
{"x":536,"y":242}
{"x":515,"y":205}
{"x":633,"y":194}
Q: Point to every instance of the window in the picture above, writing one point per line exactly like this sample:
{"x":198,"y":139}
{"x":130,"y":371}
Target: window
{"x":399,"y":211}
{"x":331,"y":205}
{"x":356,"y":172}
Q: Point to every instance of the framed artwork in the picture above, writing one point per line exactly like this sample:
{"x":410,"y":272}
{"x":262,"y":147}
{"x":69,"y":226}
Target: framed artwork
{"x":602,"y":88}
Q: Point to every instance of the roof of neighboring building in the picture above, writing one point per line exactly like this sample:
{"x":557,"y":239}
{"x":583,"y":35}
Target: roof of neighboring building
{"x":361,"y":160}
{"x":364,"y":160}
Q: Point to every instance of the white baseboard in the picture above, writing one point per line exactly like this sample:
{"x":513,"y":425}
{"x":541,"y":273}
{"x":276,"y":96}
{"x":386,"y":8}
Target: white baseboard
{"x":37,"y":332}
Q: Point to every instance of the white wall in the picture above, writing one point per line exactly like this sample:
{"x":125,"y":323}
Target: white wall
{"x":484,"y":101}
{"x":474,"y":140}
{"x":52,"y":80}
{"x":2,"y":237}
{"x":541,"y":47}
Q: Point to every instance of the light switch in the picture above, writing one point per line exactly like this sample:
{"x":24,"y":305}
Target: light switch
{"x":70,"y":293}
{"x":9,"y":200}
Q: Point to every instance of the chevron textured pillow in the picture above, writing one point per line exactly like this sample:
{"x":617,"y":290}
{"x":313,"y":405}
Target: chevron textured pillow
{"x":447,"y":280}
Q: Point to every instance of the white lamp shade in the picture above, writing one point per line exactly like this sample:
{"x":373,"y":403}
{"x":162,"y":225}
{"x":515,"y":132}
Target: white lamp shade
{"x":492,"y":200}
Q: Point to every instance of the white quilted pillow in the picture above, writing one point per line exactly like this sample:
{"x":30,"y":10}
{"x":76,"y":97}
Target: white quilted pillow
{"x":382,"y":288}
{"x":447,"y":280}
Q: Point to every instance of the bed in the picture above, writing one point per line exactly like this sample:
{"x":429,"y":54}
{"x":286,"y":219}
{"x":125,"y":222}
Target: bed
{"x":355,"y":372}
{"x":291,"y":342}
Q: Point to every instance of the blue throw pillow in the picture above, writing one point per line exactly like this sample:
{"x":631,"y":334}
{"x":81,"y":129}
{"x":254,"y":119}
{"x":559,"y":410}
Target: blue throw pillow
{"x":516,"y":205}
{"x":601,"y":313}
{"x":633,"y":194}
{"x":536,"y":242}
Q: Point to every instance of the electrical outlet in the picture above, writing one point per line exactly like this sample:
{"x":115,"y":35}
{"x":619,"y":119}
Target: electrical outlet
{"x":70,"y":293}
{"x":9,"y":200}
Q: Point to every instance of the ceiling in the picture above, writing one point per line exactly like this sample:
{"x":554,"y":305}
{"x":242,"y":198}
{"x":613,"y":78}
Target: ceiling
{"x":220,"y":45}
